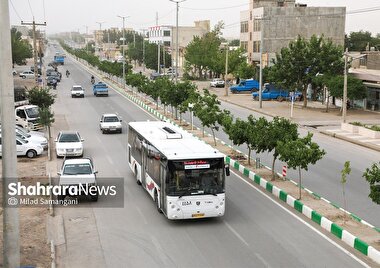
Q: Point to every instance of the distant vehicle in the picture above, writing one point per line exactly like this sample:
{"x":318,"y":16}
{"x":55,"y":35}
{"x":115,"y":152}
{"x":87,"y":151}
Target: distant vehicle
{"x":29,"y":114}
{"x":27,"y":75}
{"x":38,"y":67}
{"x":100,"y":89}
{"x":20,"y":96}
{"x":184,"y":176}
{"x":59,"y":59}
{"x":51,"y":81}
{"x":69,"y":143}
{"x":217,"y":82}
{"x":110,"y":123}
{"x":77,"y":91}
{"x":270,"y":92}
{"x":79,"y":173}
{"x":56,"y":75}
{"x":25,"y":148}
{"x":249,"y":85}
{"x":37,"y":139}
{"x":154,"y":75}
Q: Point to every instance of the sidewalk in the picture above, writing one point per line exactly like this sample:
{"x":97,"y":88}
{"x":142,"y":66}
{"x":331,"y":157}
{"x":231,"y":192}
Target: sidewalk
{"x":314,"y":115}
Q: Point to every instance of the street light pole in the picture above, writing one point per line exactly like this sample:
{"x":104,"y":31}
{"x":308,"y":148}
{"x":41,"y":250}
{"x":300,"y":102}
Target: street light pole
{"x":261,"y":63}
{"x":226,"y":72}
{"x":177,"y":49}
{"x":344,"y":104}
{"x":123,"y":18}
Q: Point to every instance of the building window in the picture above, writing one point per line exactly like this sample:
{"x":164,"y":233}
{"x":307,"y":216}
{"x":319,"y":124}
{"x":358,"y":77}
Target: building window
{"x":167,"y":43}
{"x":256,"y":46}
{"x":166,"y":33}
{"x":244,"y":45}
{"x":257,"y":25}
{"x":244,"y":27}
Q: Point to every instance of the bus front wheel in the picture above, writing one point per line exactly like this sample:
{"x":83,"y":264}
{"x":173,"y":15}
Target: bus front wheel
{"x":157,"y":202}
{"x":137,"y":177}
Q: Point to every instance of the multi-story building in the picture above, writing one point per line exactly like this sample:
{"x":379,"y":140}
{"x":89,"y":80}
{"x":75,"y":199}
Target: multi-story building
{"x":271,"y":24}
{"x":167,"y":36}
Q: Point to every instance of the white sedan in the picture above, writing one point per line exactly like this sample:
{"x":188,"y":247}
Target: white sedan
{"x":25,"y":148}
{"x":77,"y":91}
{"x":27,"y":74}
{"x":217,"y":82}
{"x":110,"y":123}
{"x":69,"y":143}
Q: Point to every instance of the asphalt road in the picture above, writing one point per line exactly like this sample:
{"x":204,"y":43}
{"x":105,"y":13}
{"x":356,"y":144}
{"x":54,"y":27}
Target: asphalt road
{"x":324,"y":177}
{"x":255,"y":232}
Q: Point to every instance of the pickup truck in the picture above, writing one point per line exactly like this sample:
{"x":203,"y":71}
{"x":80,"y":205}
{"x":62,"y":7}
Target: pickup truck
{"x":100,"y":89}
{"x":249,"y":85}
{"x":59,"y":59}
{"x":270,"y":92}
{"x":28,"y":114}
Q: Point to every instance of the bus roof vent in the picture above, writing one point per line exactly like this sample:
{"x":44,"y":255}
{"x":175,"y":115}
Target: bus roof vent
{"x":171,"y":134}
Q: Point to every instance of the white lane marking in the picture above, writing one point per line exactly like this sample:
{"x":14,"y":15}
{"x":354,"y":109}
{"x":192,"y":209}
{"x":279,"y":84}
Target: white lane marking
{"x":262,"y":260}
{"x":304,"y":222}
{"x":141,"y":214}
{"x":236,"y":233}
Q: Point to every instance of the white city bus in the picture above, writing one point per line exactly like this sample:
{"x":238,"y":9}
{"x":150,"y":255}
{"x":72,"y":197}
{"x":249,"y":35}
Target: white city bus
{"x":183,"y":175}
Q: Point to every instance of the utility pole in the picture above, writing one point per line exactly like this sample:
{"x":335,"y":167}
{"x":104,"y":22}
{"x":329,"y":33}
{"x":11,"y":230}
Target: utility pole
{"x":100,"y":30}
{"x":226,"y":71}
{"x":123,"y":18}
{"x":86,"y":38}
{"x":11,"y":228}
{"x":33,"y":23}
{"x":344,"y":104}
{"x":261,"y":63}
{"x":158,"y":47}
{"x":177,"y":49}
{"x":143,"y":45}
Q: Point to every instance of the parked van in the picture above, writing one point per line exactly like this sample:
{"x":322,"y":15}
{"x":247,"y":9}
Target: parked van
{"x":30,"y":114}
{"x":249,"y":85}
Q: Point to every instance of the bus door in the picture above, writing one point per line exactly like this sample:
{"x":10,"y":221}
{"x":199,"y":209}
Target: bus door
{"x":163,"y":187}
{"x":143,"y":165}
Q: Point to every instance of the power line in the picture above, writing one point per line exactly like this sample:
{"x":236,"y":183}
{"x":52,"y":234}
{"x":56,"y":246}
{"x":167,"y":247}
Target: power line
{"x":15,"y":10}
{"x":153,"y":21}
{"x":363,"y":10}
{"x":31,"y":10}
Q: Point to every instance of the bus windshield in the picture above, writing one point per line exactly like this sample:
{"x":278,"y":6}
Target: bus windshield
{"x":191,"y":178}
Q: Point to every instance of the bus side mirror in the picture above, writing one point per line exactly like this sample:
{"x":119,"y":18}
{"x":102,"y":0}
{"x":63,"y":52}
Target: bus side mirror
{"x":227,"y":167}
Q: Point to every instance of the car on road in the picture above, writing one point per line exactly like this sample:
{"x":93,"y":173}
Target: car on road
{"x":110,"y":123}
{"x":77,"y":91}
{"x":217,"y":82}
{"x":270,"y":92}
{"x":51,"y":81}
{"x":25,"y":148}
{"x":69,"y":143}
{"x":27,"y":75}
{"x":56,"y":75}
{"x":78,"y":173}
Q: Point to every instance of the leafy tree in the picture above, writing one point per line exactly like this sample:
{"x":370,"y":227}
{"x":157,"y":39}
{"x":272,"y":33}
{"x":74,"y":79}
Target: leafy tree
{"x":46,"y":118}
{"x":279,"y":129}
{"x":246,"y":71}
{"x":297,"y":65}
{"x":164,"y":86}
{"x":207,"y":109}
{"x":186,"y":94}
{"x":41,"y":97}
{"x":372,"y":175}
{"x":345,"y":171}
{"x":234,"y":43}
{"x":358,"y":41}
{"x":300,"y":153}
{"x":21,"y":49}
{"x":356,"y":90}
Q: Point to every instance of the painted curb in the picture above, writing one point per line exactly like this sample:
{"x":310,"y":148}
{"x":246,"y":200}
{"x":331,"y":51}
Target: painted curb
{"x":325,"y":223}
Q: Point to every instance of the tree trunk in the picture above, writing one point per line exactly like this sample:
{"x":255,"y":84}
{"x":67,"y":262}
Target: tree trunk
{"x":274,"y":161}
{"x":299,"y":183}
{"x":304,"y":93}
{"x":176,"y":113}
{"x":345,"y":203}
{"x":249,"y":156}
{"x":157,"y":104}
{"x":164,"y":109}
{"x":213,"y":135}
{"x":203,"y":131}
{"x":180,"y":118}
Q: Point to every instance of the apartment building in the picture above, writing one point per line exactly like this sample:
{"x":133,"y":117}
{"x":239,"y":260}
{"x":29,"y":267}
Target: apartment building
{"x":271,"y":24}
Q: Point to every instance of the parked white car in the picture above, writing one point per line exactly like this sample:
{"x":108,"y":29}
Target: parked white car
{"x":110,"y":123}
{"x":78,"y":171}
{"x":69,"y":143}
{"x":217,"y":82}
{"x":77,"y":91}
{"x":27,"y":74}
{"x":31,"y":132}
{"x":32,"y":138}
{"x":25,"y":148}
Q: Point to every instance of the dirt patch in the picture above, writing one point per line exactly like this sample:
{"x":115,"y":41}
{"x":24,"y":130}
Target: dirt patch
{"x":34,"y":249}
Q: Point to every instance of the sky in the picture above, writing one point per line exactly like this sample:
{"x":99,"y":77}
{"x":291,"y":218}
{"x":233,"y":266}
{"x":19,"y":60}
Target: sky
{"x":75,"y":15}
